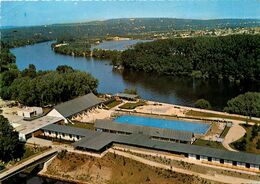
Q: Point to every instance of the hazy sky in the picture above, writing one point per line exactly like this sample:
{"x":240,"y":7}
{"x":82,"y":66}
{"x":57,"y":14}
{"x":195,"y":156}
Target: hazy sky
{"x":24,"y":13}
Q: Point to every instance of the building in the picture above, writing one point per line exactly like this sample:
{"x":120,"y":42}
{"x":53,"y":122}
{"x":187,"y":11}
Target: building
{"x":155,"y":133}
{"x":66,"y":132}
{"x":125,"y":96}
{"x":100,"y":141}
{"x":76,"y":107}
{"x":29,"y":112}
{"x":30,"y":128}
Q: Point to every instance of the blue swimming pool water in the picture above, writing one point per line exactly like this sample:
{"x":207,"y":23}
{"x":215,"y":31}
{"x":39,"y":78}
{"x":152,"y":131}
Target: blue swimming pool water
{"x":197,"y":128}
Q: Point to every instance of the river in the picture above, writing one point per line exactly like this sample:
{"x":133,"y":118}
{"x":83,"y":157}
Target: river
{"x":176,"y":90}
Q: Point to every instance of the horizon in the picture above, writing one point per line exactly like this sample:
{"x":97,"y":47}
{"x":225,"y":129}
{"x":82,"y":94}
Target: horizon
{"x":31,"y":13}
{"x":9,"y":27}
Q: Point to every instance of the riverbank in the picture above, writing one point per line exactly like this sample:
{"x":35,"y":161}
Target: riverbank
{"x":175,"y":90}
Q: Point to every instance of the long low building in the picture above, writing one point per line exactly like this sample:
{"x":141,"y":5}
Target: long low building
{"x":75,"y":107}
{"x":67,"y":132}
{"x":155,"y":133}
{"x":100,"y":141}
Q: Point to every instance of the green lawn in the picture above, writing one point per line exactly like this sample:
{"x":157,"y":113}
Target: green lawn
{"x":225,"y":131}
{"x":208,"y":114}
{"x":212,"y":144}
{"x":132,"y":105}
{"x":113,"y":104}
{"x":251,"y":145}
{"x":82,"y":125}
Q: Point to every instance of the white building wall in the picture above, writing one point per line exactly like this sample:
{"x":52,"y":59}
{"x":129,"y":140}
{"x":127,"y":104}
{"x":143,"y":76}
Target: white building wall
{"x":254,"y":166}
{"x":228,"y":162}
{"x":204,"y":158}
{"x":192,"y":156}
{"x":61,"y":136}
{"x":240,"y":164}
{"x":55,"y":113}
{"x":215,"y":160}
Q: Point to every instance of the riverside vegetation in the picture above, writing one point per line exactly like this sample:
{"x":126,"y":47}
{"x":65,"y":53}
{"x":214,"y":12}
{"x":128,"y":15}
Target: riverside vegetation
{"x":31,"y":87}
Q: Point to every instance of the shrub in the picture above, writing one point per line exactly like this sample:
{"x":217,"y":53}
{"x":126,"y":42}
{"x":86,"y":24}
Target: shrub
{"x":202,"y":104}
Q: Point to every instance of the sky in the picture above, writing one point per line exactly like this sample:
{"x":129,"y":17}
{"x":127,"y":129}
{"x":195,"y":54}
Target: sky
{"x":28,"y":13}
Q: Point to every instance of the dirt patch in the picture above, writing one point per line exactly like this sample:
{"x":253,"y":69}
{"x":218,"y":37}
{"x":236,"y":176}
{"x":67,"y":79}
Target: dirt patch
{"x":114,"y":169}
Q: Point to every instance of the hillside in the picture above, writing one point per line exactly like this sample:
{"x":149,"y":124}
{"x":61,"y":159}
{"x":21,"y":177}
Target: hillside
{"x":20,"y":36}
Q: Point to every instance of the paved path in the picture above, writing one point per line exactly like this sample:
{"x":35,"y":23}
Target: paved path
{"x":234,"y":133}
{"x":18,"y":167}
{"x":215,"y":177}
{"x":179,"y":158}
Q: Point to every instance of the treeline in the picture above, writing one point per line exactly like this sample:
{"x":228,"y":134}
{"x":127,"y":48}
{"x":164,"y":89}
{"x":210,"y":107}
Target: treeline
{"x":30,"y":87}
{"x":73,"y":48}
{"x":113,"y":55}
{"x":6,"y":58}
{"x":81,"y":48}
{"x":234,"y":57}
{"x":22,"y":35}
{"x":247,"y":104}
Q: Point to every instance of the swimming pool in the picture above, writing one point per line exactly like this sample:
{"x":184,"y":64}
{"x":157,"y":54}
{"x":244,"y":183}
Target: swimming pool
{"x":197,"y":128}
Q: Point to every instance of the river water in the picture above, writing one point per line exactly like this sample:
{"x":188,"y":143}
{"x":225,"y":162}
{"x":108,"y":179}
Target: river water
{"x":177,"y":90}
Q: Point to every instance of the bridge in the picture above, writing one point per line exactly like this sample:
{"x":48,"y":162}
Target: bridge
{"x":28,"y":163}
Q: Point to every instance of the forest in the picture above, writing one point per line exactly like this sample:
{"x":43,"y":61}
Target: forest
{"x":39,"y":88}
{"x":33,"y":88}
{"x":78,"y":48}
{"x":233,"y":57}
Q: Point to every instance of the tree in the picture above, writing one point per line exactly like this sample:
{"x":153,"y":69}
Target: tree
{"x":202,"y":104}
{"x":64,"y":69}
{"x":241,"y":145}
{"x":245,"y":104}
{"x":29,"y":72}
{"x":10,"y":147}
{"x":258,"y":144}
{"x":131,"y":91}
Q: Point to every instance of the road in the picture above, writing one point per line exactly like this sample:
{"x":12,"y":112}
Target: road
{"x":30,"y":161}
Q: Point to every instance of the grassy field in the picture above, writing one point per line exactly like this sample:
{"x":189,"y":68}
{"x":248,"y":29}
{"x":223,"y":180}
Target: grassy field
{"x":114,"y":169}
{"x":132,"y":105}
{"x":221,"y":116}
{"x":82,"y":125}
{"x":212,"y":144}
{"x":225,"y":131}
{"x":113,"y":104}
{"x":251,"y":145}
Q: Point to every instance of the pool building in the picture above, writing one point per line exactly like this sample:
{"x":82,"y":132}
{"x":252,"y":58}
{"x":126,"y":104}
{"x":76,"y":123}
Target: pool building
{"x":95,"y":141}
{"x":155,"y":133}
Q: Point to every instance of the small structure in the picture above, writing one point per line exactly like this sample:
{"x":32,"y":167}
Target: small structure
{"x":29,"y":112}
{"x":76,"y":107}
{"x":125,"y":96}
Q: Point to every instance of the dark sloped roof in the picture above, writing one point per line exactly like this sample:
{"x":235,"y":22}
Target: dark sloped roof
{"x":77,"y":105}
{"x":151,"y":131}
{"x":69,"y":130}
{"x":125,"y":95}
{"x":99,"y":140}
